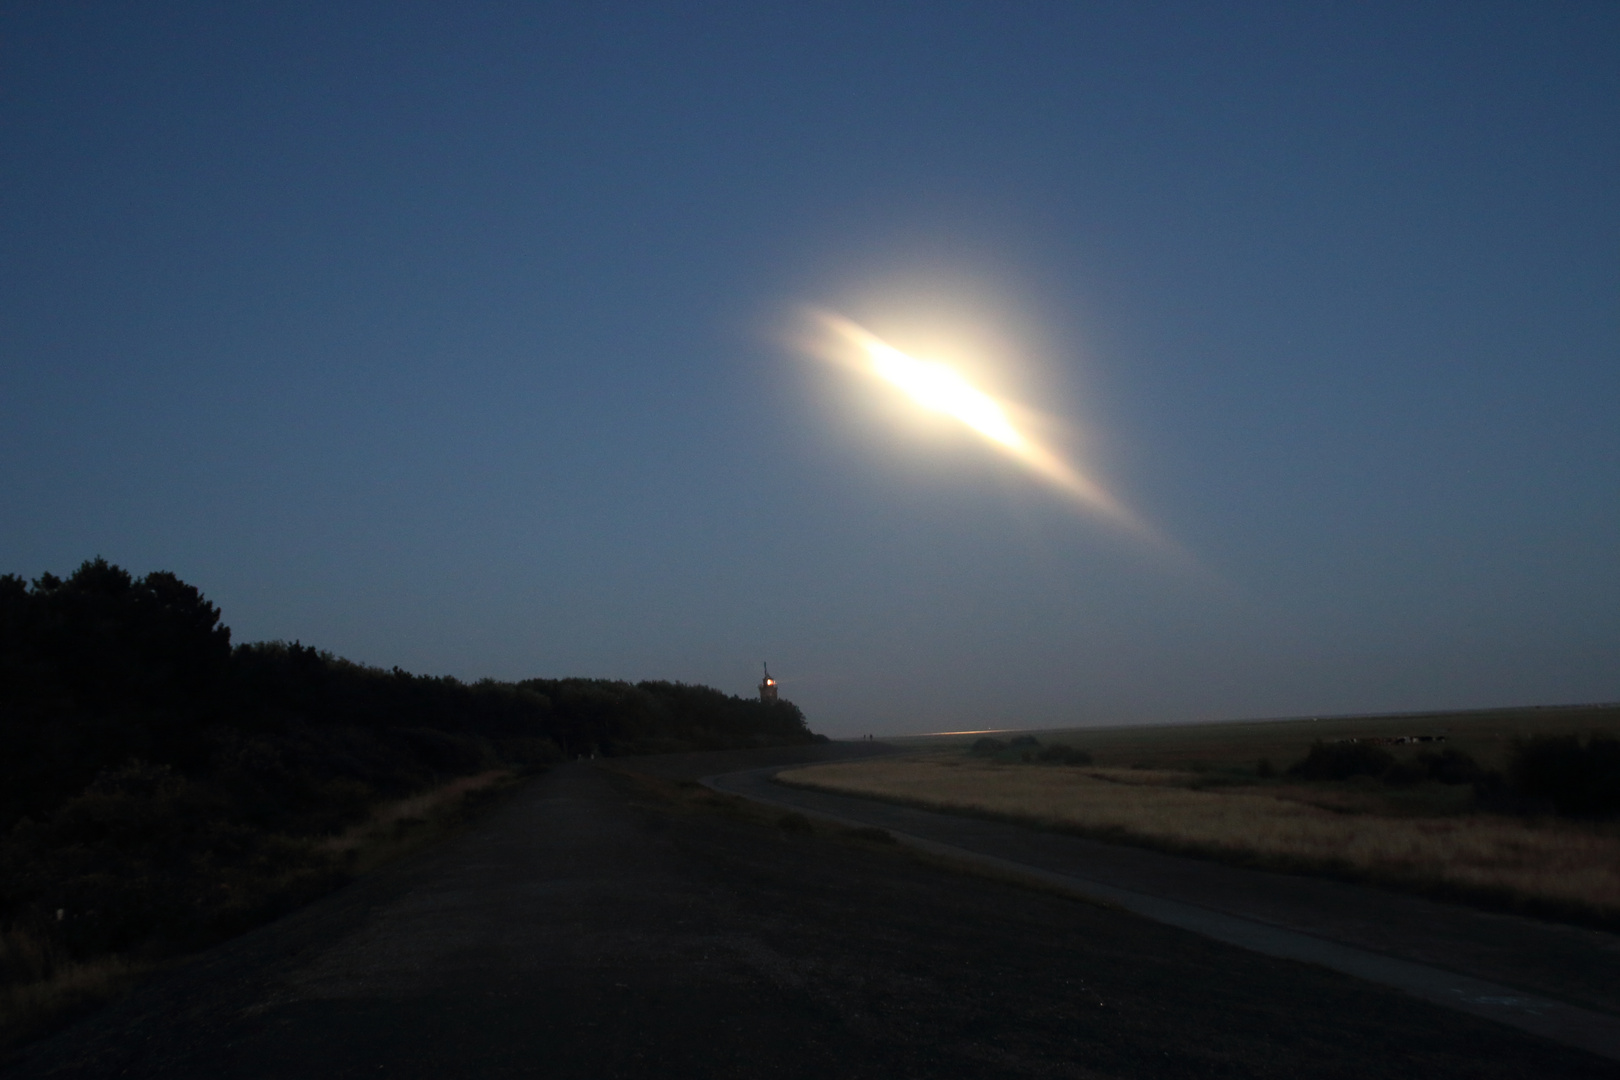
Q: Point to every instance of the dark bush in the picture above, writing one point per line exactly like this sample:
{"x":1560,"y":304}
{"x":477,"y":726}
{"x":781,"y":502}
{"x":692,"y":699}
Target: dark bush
{"x":1576,"y":779}
{"x":987,"y":747}
{"x":160,"y":789}
{"x":1451,"y":766}
{"x":529,"y":753}
{"x":1406,"y":772}
{"x":1059,"y":754}
{"x":449,"y":753}
{"x":1493,"y":793}
{"x":794,"y":822}
{"x":1341,"y":761}
{"x":1023,"y":747}
{"x":1265,"y":770}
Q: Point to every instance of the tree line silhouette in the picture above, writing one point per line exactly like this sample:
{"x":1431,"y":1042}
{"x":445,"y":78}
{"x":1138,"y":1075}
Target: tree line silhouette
{"x":160,"y":787}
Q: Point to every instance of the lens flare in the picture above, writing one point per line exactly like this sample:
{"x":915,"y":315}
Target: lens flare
{"x":941,"y":388}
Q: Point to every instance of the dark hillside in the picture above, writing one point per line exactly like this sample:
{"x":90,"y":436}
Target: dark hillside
{"x":159,"y":788}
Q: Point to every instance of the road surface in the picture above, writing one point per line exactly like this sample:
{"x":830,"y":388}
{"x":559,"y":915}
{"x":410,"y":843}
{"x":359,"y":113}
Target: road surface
{"x":600,"y":924}
{"x":1554,"y":980}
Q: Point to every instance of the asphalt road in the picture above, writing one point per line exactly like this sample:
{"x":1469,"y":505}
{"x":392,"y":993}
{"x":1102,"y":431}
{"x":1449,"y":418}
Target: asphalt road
{"x":1551,"y":979}
{"x":605,"y":925}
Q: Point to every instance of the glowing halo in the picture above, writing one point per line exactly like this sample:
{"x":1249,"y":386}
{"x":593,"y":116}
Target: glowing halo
{"x":941,"y":388}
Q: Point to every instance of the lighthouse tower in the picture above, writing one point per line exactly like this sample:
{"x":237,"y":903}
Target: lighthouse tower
{"x":767,"y":687}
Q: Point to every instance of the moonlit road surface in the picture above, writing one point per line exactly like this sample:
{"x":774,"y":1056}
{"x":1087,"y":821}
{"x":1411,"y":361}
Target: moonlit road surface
{"x":599,"y":925}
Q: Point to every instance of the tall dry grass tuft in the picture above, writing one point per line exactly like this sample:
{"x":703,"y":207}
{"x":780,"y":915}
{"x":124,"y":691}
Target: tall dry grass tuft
{"x":395,"y":827}
{"x":42,"y":987}
{"x":1555,"y":866}
{"x":39,"y":988}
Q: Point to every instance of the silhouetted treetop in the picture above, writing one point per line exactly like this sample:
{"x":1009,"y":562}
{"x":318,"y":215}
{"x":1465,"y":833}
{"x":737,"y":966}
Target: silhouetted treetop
{"x":102,"y":668}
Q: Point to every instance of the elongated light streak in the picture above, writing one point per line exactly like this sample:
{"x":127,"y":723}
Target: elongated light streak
{"x":941,"y":388}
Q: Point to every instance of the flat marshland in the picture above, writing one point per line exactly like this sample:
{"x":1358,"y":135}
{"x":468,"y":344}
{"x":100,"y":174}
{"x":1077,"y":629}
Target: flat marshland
{"x":1487,"y":735}
{"x":1205,"y":800}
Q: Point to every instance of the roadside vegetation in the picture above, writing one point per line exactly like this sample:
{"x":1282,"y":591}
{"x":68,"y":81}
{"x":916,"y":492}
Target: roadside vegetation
{"x":1540,"y":835}
{"x":162,"y":789}
{"x":688,"y":796}
{"x":47,"y":984}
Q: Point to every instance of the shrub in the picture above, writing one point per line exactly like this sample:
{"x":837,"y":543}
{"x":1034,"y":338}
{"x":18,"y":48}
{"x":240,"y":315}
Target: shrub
{"x":160,"y":789}
{"x":794,"y":822}
{"x":1493,"y":793}
{"x":530,"y":753}
{"x":1341,"y":761}
{"x":987,"y":747}
{"x":1059,"y":754}
{"x":1406,"y":772}
{"x":1265,"y":770}
{"x":1023,"y":747}
{"x":1579,"y":780}
{"x":1451,"y":766}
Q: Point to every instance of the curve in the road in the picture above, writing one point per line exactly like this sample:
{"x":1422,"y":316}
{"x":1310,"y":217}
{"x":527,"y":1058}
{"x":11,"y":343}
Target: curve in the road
{"x":952,"y":836}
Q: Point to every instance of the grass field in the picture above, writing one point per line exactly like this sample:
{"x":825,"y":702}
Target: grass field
{"x":1485,"y":734}
{"x":1197,"y":789}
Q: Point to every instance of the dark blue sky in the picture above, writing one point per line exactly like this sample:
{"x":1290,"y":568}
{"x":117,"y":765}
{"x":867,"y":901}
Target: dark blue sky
{"x":451,"y":336}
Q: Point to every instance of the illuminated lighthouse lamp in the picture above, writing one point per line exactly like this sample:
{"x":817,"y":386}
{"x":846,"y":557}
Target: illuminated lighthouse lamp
{"x":767,"y":687}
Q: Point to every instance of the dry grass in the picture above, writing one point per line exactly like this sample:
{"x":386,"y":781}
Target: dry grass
{"x":1553,"y":866}
{"x":41,"y":990}
{"x":396,"y":828}
{"x":1486,"y":735}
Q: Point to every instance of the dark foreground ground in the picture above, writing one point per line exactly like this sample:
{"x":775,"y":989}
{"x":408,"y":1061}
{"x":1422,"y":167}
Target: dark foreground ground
{"x":617,"y":925}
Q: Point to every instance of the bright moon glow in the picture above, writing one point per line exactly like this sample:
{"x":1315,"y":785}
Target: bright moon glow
{"x":941,"y":388}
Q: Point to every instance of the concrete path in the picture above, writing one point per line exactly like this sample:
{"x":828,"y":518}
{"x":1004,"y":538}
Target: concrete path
{"x":1521,"y":972}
